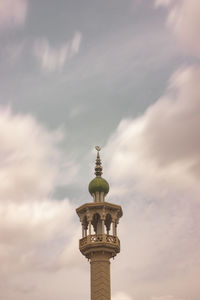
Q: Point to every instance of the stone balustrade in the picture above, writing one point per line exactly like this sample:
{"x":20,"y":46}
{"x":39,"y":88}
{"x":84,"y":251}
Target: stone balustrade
{"x":99,"y":239}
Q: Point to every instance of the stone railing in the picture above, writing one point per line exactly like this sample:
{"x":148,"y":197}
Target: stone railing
{"x":99,"y":239}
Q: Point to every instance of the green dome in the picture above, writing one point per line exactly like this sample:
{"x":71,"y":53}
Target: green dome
{"x":98,"y":184}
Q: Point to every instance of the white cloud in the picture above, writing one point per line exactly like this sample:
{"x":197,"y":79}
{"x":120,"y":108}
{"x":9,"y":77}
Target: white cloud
{"x":165,"y":298}
{"x":26,"y":143}
{"x":76,"y":42}
{"x":12,"y":13}
{"x":153,"y":166}
{"x":52,"y":58}
{"x":49,"y":58}
{"x":121,"y":296}
{"x":159,"y":151}
{"x":26,"y":228}
{"x":184,"y":20}
{"x":34,"y":228}
{"x":70,"y":255}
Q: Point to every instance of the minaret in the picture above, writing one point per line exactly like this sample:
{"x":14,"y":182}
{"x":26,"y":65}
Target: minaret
{"x":99,"y":240}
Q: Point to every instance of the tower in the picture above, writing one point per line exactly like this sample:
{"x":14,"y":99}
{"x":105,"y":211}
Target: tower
{"x":99,"y":240}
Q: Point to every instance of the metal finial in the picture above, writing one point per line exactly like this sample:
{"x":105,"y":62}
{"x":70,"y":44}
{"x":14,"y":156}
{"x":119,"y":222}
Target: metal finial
{"x":98,"y":167}
{"x":98,"y":148}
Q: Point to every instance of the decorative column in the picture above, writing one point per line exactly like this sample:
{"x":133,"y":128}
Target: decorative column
{"x":98,"y":248}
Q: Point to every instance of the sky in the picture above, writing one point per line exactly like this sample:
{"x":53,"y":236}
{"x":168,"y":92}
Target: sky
{"x":123,"y":75}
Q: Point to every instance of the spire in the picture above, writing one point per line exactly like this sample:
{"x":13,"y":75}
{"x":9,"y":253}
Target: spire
{"x":98,"y":187}
{"x":98,"y":167}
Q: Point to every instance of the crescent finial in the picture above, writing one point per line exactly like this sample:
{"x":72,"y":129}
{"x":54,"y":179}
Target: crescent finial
{"x":98,"y":148}
{"x":98,"y":166}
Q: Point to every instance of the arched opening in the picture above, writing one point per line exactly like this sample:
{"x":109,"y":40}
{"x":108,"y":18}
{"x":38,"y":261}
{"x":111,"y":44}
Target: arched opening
{"x":108,"y":222}
{"x":97,"y":224}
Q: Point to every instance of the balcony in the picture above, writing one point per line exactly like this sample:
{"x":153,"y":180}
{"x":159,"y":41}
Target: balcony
{"x":95,"y":242}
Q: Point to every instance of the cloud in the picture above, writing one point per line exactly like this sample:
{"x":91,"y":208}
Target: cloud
{"x":52,"y":59}
{"x":161,"y":149}
{"x":121,"y":296}
{"x":152,"y":164}
{"x":49,"y":58}
{"x":165,"y":298}
{"x":162,"y":2}
{"x":26,"y":143}
{"x":12,"y":13}
{"x":34,"y":227}
{"x":184,"y":20}
{"x":76,"y":42}
{"x":26,"y":229}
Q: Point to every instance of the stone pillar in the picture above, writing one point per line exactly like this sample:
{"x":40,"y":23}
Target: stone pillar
{"x":100,"y":276}
{"x":90,"y":227}
{"x":82,"y":231}
{"x":113,"y":227}
{"x":103,"y":225}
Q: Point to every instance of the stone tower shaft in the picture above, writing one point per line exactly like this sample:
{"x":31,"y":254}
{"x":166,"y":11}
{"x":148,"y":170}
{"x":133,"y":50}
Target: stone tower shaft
{"x":99,"y":242}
